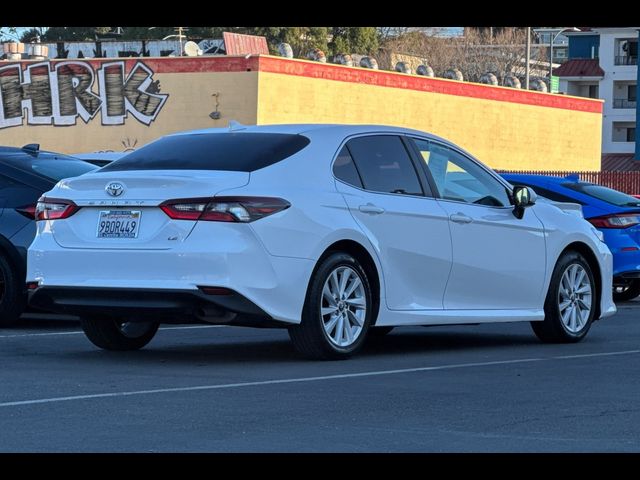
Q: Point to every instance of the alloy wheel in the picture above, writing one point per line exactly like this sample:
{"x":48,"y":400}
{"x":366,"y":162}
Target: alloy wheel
{"x":574,"y":298}
{"x":343,"y":306}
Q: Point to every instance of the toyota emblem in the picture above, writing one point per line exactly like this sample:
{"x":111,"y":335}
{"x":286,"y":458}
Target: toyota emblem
{"x":115,"y":189}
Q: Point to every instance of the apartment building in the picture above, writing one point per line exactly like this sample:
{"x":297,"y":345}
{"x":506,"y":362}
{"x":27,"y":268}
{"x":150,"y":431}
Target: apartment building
{"x":603,"y":63}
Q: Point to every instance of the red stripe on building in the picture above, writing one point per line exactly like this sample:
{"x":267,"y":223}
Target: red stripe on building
{"x":345,"y":74}
{"x":425,"y":84}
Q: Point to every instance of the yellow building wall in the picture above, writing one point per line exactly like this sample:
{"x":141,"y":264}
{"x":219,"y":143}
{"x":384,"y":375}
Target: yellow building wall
{"x":504,"y":135}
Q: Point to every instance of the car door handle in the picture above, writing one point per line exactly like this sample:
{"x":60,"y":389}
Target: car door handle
{"x":460,"y":218}
{"x":371,"y":208}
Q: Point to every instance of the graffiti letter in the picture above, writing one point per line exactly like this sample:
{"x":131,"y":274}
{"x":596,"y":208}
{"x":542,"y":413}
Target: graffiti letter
{"x":138,"y":94}
{"x":143,"y":98}
{"x":10,"y":96}
{"x":111,"y":77}
{"x":36,"y":94}
{"x":74,"y":82}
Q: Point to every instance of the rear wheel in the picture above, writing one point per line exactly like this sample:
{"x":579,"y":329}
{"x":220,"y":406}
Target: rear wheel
{"x":337,"y":311}
{"x":118,"y":334}
{"x":12,"y":299}
{"x":571,"y":301}
{"x":626,"y":292}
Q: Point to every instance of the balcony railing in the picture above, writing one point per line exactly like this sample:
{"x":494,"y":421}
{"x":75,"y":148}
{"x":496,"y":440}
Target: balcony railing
{"x":626,"y":60}
{"x":623,"y":103}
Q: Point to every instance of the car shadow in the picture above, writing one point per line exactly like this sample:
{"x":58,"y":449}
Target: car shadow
{"x":260,"y":348}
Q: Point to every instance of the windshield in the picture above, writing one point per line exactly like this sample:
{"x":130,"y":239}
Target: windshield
{"x":605,"y":194}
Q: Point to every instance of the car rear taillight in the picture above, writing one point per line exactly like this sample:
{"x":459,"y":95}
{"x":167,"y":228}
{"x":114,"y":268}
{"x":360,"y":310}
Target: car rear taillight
{"x":54,"y":209}
{"x":622,"y":220}
{"x":223,"y":209}
{"x":28,"y":211}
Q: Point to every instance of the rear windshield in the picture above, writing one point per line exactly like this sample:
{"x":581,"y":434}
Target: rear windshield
{"x":54,"y":166}
{"x":605,"y":194}
{"x":240,"y":152}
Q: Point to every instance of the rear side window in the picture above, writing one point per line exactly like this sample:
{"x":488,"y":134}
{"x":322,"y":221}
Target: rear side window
{"x":345,"y":170}
{"x":58,"y":168}
{"x":551,"y":195}
{"x":604,"y":193}
{"x":239,"y":152}
{"x":384,"y":164}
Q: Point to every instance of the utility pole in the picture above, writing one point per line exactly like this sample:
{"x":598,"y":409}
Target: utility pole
{"x":180,"y":38}
{"x":528,"y":59}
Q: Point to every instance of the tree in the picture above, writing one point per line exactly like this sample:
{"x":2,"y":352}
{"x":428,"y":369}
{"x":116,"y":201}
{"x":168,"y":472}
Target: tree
{"x":72,"y":34}
{"x":301,"y":39}
{"x":360,"y":40}
{"x":33,"y":34}
{"x":8,"y":34}
{"x":474,"y":54}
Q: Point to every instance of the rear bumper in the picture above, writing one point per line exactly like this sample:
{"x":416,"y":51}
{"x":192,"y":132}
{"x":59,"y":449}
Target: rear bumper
{"x":164,"y":305}
{"x":221,"y":255}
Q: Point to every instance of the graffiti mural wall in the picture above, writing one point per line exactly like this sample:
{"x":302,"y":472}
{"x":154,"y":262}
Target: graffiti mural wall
{"x":60,"y":94}
{"x":108,"y":104}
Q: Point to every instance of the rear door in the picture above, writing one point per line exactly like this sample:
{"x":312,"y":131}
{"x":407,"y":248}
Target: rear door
{"x":408,"y":228}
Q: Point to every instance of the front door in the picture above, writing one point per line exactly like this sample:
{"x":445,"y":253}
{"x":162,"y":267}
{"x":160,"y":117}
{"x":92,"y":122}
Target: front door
{"x":498,"y":260}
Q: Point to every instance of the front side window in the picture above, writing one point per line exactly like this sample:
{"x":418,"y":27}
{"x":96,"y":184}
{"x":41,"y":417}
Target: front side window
{"x":384,"y":164}
{"x":459,"y":178}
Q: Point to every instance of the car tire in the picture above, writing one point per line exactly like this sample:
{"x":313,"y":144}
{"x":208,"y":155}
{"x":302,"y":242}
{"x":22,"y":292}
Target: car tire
{"x":571,"y":301}
{"x":347,"y":304}
{"x":12,"y":295}
{"x":629,"y":292}
{"x":118,"y":334}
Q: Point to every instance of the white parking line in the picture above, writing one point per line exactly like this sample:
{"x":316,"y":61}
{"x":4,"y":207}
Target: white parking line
{"x":77,"y":332}
{"x":304,"y":379}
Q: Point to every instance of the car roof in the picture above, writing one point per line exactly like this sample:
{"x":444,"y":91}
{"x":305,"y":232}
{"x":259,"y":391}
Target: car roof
{"x":13,"y":151}
{"x":541,"y":178}
{"x":302,"y":128}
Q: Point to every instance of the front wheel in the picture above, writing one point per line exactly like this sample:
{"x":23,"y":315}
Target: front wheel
{"x":118,"y":334}
{"x":337,"y":311}
{"x":571,"y":301}
{"x":626,"y":292}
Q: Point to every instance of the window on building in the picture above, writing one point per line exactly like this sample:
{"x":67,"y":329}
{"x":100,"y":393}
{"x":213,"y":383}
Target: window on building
{"x":593,"y":91}
{"x":631,"y":134}
{"x":631,"y":93}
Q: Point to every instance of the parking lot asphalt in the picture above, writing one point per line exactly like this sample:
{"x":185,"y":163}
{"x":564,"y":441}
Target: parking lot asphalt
{"x":485,"y":388}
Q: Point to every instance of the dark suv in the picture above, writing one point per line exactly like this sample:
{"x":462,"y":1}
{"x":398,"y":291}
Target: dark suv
{"x":25,"y":174}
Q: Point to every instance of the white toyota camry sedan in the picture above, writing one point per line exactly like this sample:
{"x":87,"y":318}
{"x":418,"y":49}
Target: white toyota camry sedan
{"x":335,"y":232}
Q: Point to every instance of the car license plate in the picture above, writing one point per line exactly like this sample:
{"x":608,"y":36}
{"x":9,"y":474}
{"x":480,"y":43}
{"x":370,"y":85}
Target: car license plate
{"x":118,"y":224}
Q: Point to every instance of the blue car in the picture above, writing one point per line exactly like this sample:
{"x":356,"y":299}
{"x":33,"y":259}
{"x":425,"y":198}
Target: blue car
{"x":615,"y":214}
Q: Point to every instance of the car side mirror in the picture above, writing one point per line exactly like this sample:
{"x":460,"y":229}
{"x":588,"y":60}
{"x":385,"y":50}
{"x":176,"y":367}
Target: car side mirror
{"x":523,"y":197}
